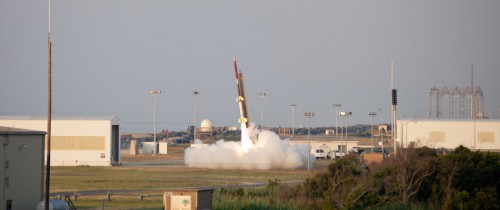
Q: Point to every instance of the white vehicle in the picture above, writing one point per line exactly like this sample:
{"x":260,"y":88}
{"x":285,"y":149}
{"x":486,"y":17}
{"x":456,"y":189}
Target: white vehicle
{"x":319,"y":153}
{"x":337,"y":154}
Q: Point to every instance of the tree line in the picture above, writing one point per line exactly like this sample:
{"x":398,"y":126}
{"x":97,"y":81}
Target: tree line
{"x":416,"y":178}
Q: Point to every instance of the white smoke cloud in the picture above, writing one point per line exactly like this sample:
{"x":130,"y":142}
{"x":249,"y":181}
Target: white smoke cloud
{"x":266,"y":151}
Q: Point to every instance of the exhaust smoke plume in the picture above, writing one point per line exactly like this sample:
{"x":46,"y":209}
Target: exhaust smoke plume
{"x":266,"y":151}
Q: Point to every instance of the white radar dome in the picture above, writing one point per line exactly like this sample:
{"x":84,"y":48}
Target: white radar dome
{"x":206,"y":123}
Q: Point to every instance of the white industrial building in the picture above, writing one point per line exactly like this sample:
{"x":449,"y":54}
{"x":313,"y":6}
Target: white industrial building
{"x":22,"y":168}
{"x":92,"y":141}
{"x":481,"y":134}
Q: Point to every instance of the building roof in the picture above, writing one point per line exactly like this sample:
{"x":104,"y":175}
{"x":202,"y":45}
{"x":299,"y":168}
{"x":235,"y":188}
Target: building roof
{"x":18,"y":131}
{"x":114,"y":119}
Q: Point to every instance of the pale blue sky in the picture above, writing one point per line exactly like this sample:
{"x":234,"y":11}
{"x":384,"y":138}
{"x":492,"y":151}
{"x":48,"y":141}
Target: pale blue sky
{"x":107,"y":55}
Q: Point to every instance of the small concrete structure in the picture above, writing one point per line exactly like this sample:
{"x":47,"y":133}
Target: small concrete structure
{"x":148,"y":147}
{"x":134,"y":148}
{"x":191,"y":199}
{"x":22,"y":168}
{"x":163,"y":148}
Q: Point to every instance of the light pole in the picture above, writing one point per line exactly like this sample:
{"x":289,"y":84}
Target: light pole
{"x":341,"y":140}
{"x":380,"y":131}
{"x":262,"y":96}
{"x":405,"y":124}
{"x":309,"y":115}
{"x":336,"y":115}
{"x":154,"y":93}
{"x":293,"y":122}
{"x":372,"y":115}
{"x":346,"y":115}
{"x":195,"y":94}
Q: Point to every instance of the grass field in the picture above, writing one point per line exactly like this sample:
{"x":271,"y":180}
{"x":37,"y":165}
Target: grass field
{"x":69,"y":179}
{"x":127,"y":183}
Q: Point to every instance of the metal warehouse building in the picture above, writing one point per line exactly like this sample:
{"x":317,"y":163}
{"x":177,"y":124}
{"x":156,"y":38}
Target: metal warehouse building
{"x":93,"y":141}
{"x":479,"y":134}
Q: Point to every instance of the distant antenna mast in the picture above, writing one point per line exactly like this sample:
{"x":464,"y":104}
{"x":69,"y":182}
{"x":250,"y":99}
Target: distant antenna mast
{"x":472,"y":97}
{"x":49,"y":117}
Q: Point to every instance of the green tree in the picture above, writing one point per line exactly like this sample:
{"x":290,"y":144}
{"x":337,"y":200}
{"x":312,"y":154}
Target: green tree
{"x":343,"y":185}
{"x":404,"y":173}
{"x":469,"y":179}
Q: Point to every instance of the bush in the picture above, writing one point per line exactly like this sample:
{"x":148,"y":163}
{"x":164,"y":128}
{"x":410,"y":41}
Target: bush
{"x":413,"y":179}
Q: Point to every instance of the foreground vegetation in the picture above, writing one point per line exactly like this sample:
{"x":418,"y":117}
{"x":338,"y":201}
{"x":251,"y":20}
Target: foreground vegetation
{"x":415,"y":179}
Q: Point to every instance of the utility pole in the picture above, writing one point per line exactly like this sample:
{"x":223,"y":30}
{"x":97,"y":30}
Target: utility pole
{"x":49,"y":118}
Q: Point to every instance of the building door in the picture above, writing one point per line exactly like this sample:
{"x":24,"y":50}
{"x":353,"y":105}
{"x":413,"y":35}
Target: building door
{"x":115,"y":144}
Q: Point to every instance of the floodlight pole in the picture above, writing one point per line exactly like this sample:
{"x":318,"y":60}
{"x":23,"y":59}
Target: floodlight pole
{"x":372,"y":115}
{"x":309,"y":115}
{"x":347,"y":130}
{"x":262,"y":96}
{"x":154,"y":93}
{"x":346,"y":115}
{"x":336,"y":115}
{"x":380,"y":132}
{"x":293,"y":119}
{"x":405,"y":124}
{"x":195,"y":94}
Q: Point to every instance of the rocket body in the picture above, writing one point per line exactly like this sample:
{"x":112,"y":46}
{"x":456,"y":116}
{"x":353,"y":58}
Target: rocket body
{"x":241,"y":97}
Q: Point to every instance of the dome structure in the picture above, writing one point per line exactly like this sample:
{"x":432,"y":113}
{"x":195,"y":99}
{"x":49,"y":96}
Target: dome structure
{"x":206,"y":124}
{"x":205,"y":132}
